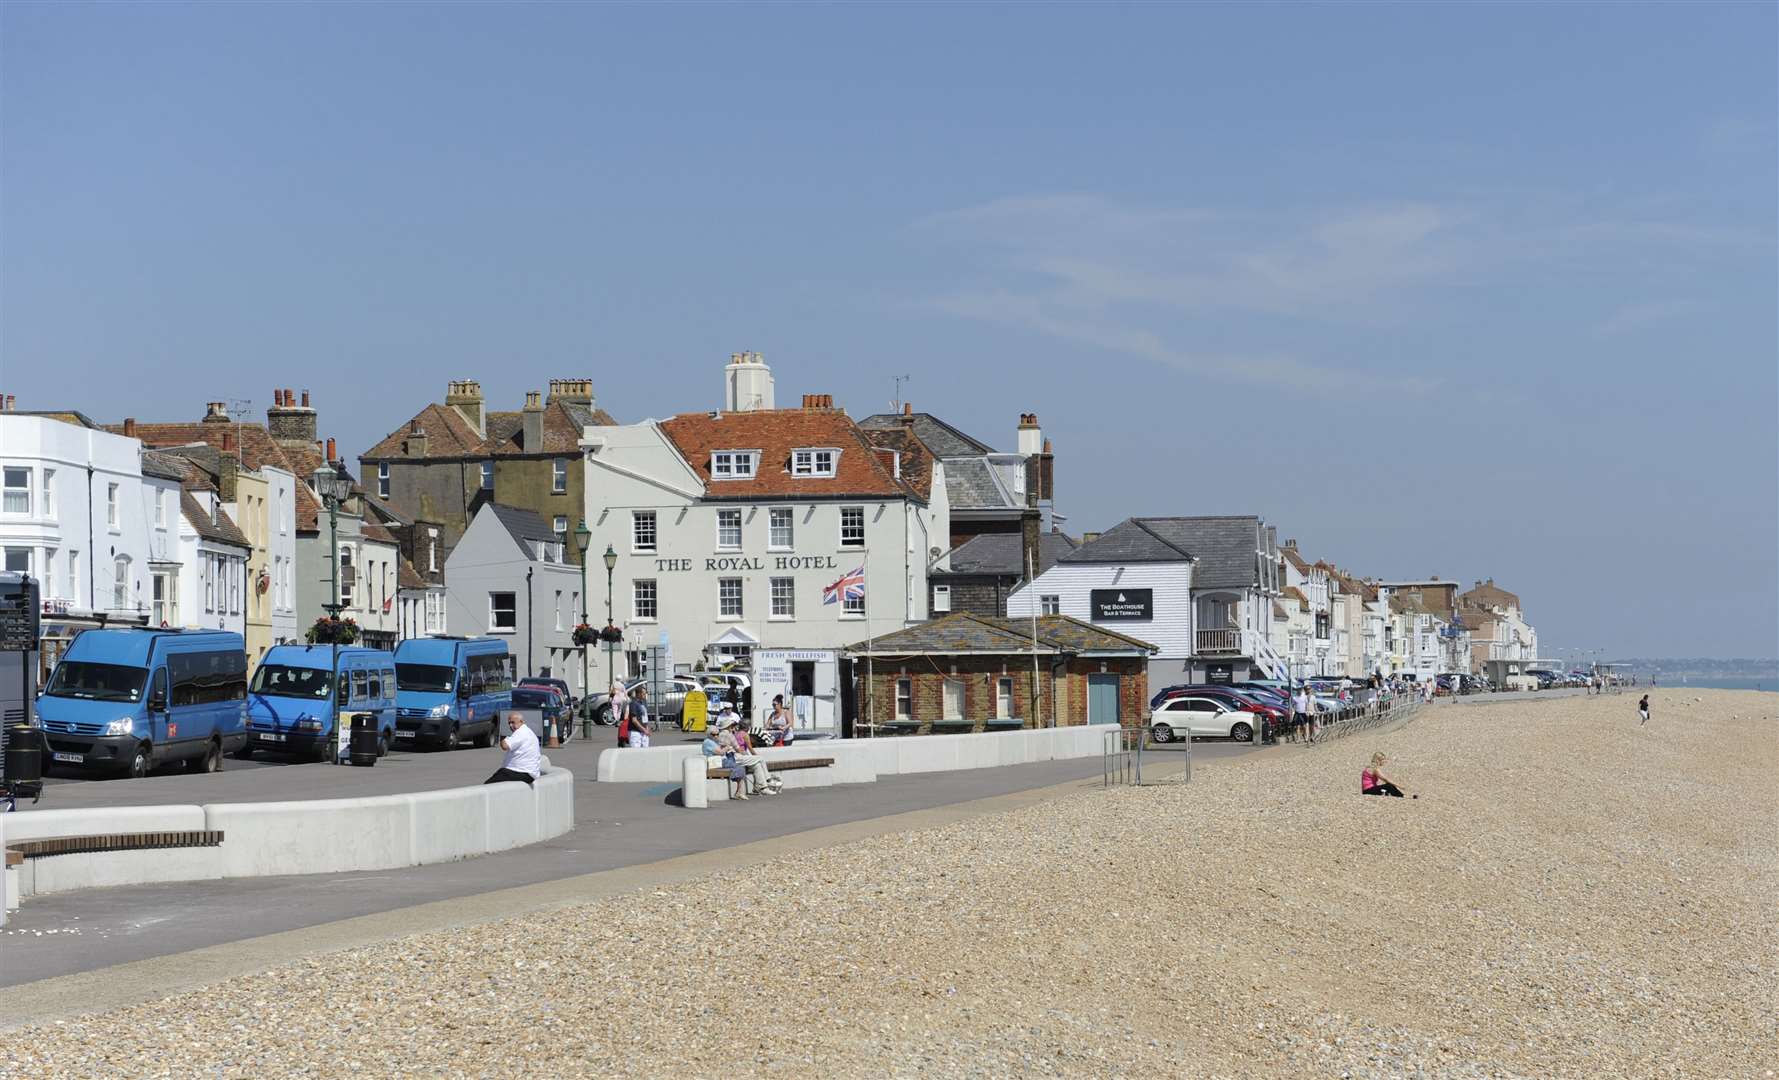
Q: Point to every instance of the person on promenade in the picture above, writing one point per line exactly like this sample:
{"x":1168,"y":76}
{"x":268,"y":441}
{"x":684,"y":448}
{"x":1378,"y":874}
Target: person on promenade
{"x":1372,"y":780}
{"x":1312,"y":726}
{"x":780,"y":725}
{"x":1643,"y":710}
{"x":638,"y":735}
{"x":1300,"y":710}
{"x":523,"y":760}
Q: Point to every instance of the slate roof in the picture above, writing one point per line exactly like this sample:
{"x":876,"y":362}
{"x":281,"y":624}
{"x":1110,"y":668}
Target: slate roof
{"x":1001,"y":554}
{"x":1224,"y":548}
{"x":219,"y":528}
{"x":945,"y":440}
{"x":164,"y":466}
{"x":860,"y":472}
{"x":522,"y":525}
{"x":1131,"y":540}
{"x":972,"y":483}
{"x":966,"y":632}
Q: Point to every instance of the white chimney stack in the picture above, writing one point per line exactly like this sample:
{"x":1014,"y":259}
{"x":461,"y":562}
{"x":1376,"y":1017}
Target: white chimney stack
{"x":747,"y":383}
{"x":1031,"y":436}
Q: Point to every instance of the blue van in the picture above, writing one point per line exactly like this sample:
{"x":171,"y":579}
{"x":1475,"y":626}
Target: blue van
{"x":124,"y":701}
{"x":451,"y":689}
{"x":288,"y":709}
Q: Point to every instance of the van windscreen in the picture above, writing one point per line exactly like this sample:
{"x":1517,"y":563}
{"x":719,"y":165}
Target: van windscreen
{"x":96,"y":682}
{"x":282,"y":680}
{"x":425,"y":678}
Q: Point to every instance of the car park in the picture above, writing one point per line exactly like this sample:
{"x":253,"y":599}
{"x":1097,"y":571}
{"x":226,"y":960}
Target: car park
{"x":1201,"y":716}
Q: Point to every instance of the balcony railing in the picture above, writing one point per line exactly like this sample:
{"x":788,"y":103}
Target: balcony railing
{"x":1224,"y":642}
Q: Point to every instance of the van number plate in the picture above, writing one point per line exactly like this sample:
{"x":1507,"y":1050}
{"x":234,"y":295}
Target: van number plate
{"x":74,"y":758}
{"x":269,"y":736}
{"x":400,"y":734}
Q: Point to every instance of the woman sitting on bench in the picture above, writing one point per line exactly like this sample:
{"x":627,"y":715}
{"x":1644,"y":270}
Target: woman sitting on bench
{"x":1372,"y":780}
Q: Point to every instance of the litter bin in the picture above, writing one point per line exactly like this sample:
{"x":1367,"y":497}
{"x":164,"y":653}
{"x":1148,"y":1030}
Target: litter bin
{"x":24,"y":756}
{"x":365,"y":738}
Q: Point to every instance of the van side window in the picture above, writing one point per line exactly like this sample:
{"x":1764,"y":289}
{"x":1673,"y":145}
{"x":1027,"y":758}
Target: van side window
{"x":375,"y":693}
{"x":360,"y":683}
{"x":159,"y":687}
{"x":204,"y":678}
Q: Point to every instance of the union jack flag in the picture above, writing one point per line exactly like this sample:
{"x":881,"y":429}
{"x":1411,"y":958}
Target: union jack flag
{"x":851,"y":586}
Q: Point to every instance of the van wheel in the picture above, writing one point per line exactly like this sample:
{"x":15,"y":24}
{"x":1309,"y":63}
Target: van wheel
{"x":212,"y":758}
{"x":451,"y":739}
{"x":486,"y":739}
{"x":382,"y":745}
{"x":138,"y":766}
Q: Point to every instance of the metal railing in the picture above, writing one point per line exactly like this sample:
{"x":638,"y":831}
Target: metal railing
{"x":1386,"y":708}
{"x":1122,"y":760}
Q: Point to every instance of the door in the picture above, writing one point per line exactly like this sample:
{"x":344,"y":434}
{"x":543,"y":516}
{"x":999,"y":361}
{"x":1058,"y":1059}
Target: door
{"x":158,"y":690}
{"x":1102,"y":699}
{"x":1205,"y":717}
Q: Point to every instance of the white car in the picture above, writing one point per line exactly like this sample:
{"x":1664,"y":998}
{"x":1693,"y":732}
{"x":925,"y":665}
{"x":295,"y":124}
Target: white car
{"x":1199,"y":716}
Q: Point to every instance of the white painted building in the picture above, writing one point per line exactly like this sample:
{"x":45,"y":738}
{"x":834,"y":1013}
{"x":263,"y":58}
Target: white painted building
{"x":509,"y":578}
{"x":753,"y":528}
{"x":213,"y":590}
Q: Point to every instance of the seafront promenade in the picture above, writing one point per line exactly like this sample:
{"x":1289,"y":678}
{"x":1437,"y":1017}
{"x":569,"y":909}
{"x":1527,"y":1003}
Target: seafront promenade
{"x":1571,"y":895}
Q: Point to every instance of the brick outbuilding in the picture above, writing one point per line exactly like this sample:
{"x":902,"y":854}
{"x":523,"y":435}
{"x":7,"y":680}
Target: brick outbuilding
{"x":969,"y":672}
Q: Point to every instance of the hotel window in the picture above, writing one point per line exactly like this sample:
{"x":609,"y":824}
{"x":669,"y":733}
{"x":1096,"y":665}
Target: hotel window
{"x":784,"y":598}
{"x":503,"y":612}
{"x":954,"y":699}
{"x":383,"y":480}
{"x":729,"y":598}
{"x":642,"y":530}
{"x":781,"y":532}
{"x":813,"y":462}
{"x":111,"y":518}
{"x":728,"y":530}
{"x":852,"y":526}
{"x":120,"y":582}
{"x":733,"y":464}
{"x":851,"y":604}
{"x":941,"y":598}
{"x":18,"y":491}
{"x":904,"y":699}
{"x":559,"y":476}
{"x":487,"y":476}
{"x":642,"y":599}
{"x":207,"y":570}
{"x":1003,"y":699}
{"x":1050,"y":605}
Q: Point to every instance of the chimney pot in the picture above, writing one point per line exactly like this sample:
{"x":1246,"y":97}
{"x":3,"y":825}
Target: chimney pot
{"x":331,"y":456}
{"x":130,"y":433}
{"x":907,"y":408}
{"x":305,"y":399}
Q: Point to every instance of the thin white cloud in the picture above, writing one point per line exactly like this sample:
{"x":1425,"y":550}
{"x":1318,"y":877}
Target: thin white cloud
{"x":1639,"y":316}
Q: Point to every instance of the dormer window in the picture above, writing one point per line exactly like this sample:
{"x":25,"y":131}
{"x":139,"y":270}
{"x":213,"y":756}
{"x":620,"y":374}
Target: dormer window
{"x":734,"y":464}
{"x":814,"y":462}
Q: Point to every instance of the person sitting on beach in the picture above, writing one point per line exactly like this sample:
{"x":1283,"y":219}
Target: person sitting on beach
{"x":1372,"y":780}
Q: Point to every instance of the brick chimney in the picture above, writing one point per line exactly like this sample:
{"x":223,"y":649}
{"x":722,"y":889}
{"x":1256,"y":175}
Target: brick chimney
{"x":291,"y":425}
{"x":228,"y":469}
{"x":130,"y":433}
{"x":415,"y":446}
{"x":216,"y":412}
{"x":907,"y":417}
{"x":465,"y":395}
{"x":818,"y":402}
{"x":531,"y":423}
{"x":571,"y":392}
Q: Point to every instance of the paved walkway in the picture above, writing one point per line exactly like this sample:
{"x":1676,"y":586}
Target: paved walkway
{"x":616,"y":825}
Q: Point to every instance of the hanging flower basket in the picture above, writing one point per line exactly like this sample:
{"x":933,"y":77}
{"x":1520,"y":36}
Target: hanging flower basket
{"x":611,"y":635}
{"x":585,"y":635}
{"x":328,"y":631}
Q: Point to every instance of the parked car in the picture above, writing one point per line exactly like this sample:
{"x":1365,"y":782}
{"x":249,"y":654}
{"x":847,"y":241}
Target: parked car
{"x":1201,"y":716}
{"x":544,"y":680}
{"x":665,"y":706}
{"x":541,"y":705}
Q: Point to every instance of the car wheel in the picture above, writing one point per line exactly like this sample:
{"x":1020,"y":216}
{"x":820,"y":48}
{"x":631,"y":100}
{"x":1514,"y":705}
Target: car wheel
{"x":604,"y":716}
{"x":212,"y":758}
{"x":139,"y":763}
{"x":1241,"y":733}
{"x":1161,"y":733}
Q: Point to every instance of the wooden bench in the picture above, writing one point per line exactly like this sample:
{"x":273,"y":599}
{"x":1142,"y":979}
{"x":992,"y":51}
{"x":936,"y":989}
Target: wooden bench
{"x":787,"y":765}
{"x":82,"y":845}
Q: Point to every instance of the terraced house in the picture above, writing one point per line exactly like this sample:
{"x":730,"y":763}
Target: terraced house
{"x":449,"y":459}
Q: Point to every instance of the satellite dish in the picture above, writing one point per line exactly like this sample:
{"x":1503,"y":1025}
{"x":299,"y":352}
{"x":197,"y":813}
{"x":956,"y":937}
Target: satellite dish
{"x":935,"y":552}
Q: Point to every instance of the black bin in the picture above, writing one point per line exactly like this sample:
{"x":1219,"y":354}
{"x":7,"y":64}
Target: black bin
{"x":24,"y":755}
{"x":364,"y":739}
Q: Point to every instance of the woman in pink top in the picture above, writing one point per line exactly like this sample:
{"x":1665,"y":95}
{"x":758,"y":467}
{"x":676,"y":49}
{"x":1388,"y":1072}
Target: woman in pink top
{"x":1372,"y":780}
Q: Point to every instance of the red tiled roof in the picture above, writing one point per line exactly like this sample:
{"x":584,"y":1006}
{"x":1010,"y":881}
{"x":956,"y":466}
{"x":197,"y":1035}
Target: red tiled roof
{"x":406,"y":577}
{"x":917,"y":459}
{"x":448,"y":435}
{"x":860,"y":471}
{"x":561,"y":434}
{"x":370,"y":530}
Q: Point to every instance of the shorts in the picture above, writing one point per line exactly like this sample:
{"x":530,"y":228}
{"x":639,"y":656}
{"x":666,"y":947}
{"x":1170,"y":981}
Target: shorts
{"x":638,"y":741}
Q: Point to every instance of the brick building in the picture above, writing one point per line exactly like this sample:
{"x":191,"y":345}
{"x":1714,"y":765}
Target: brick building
{"x":967,"y":672}
{"x":980,"y":573}
{"x":450,"y":458}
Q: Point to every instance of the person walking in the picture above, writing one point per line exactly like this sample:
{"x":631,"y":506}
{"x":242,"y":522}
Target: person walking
{"x":1300,"y":710}
{"x":638,"y":736}
{"x":1643,"y":710}
{"x":523,"y":761}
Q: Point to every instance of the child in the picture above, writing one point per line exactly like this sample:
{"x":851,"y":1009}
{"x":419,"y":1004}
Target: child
{"x":1643,"y":710}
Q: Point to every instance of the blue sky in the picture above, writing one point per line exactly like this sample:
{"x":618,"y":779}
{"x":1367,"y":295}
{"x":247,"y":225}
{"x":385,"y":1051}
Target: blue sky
{"x":1468,"y":291}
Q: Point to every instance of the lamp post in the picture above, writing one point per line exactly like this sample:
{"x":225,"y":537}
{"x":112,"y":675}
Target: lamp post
{"x":611,"y":564}
{"x":583,"y":536}
{"x":334,"y":487}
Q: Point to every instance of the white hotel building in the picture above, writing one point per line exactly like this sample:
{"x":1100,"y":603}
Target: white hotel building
{"x":773,"y":535}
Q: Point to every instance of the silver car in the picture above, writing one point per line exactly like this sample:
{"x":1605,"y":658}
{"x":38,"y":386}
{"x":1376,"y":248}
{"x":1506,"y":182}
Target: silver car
{"x":665,"y":706}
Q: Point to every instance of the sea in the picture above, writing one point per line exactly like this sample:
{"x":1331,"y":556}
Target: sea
{"x":1752,"y":683}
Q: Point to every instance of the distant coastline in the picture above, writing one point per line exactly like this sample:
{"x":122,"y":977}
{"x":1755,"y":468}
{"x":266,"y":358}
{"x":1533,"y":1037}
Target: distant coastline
{"x":1769,"y":683}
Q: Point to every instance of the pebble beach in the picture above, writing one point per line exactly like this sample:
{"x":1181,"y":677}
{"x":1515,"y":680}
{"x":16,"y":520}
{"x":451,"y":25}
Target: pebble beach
{"x":1570,"y":896}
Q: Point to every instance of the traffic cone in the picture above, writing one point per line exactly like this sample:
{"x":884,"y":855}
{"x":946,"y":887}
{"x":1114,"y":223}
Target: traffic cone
{"x":550,"y":729}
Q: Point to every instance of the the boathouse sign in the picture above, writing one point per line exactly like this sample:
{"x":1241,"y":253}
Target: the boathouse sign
{"x":1112,"y":605}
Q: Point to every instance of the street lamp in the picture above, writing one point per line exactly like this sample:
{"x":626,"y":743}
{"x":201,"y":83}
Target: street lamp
{"x":582,"y":537}
{"x":611,"y":644}
{"x":334,"y":487}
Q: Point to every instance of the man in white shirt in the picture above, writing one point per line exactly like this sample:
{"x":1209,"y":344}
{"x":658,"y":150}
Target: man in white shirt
{"x":523,"y":761}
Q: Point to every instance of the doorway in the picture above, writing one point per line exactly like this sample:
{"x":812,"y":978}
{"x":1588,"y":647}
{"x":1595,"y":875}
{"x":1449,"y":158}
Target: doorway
{"x":1102,"y":699}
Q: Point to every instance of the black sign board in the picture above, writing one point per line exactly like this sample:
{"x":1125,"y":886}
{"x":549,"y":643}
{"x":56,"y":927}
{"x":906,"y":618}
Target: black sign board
{"x":20,"y":621}
{"x":1111,"y":605}
{"x":1219,"y":674}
